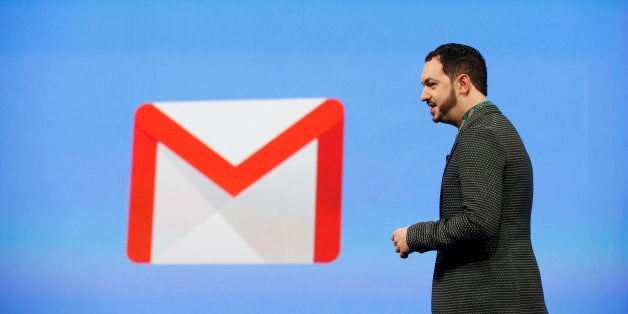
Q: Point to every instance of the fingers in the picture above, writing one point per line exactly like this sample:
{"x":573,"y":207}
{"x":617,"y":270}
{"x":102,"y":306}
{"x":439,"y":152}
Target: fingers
{"x":396,"y":234}
{"x":398,"y":240}
{"x":393,"y":236}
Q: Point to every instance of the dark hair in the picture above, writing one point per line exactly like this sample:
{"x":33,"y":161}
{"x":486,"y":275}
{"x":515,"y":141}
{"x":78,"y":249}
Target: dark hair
{"x":461,"y":59}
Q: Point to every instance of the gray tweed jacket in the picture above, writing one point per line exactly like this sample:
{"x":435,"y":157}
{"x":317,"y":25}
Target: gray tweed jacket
{"x":485,"y":262}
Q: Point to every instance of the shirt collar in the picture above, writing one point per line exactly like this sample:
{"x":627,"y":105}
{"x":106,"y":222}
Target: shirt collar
{"x":470,"y":112}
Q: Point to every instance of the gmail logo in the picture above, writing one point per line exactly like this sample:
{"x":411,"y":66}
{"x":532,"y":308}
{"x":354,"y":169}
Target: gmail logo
{"x":236,"y":182}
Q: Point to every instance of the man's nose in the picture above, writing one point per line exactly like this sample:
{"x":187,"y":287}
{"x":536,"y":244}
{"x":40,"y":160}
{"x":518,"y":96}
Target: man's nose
{"x":424,"y":95}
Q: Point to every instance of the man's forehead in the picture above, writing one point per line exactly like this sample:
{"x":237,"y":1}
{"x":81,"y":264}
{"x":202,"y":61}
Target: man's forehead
{"x":432,"y":69}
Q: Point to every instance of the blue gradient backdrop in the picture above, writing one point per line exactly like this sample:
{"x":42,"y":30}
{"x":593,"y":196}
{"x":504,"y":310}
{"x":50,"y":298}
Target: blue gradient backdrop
{"x":72,"y":74}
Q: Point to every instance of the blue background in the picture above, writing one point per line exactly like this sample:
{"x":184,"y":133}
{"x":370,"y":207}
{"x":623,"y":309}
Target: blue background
{"x":72,"y":74}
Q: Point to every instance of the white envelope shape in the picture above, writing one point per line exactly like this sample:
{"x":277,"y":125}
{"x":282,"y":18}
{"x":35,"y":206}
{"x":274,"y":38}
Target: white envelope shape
{"x":255,"y":181}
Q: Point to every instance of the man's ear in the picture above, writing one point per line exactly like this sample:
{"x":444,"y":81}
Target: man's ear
{"x":463,"y":84}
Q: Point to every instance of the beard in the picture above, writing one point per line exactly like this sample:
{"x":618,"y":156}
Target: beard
{"x":448,"y":103}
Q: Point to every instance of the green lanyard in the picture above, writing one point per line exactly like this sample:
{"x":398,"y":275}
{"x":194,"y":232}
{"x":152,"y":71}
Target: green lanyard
{"x":476,"y":107}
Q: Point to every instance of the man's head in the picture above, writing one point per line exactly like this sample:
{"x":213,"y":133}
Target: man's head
{"x":461,"y":59}
{"x":453,"y":72}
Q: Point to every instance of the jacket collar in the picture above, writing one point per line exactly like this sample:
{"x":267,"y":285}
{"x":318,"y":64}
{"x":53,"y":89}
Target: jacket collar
{"x":477,"y":114}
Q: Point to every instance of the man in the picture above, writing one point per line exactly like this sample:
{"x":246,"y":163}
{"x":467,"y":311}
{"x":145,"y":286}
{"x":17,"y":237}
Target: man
{"x":484,"y":261}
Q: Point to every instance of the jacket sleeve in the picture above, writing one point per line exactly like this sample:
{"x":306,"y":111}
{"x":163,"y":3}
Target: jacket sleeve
{"x":480,"y":166}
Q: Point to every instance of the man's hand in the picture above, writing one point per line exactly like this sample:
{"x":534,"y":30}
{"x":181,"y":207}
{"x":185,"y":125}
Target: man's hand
{"x":401,"y":244}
